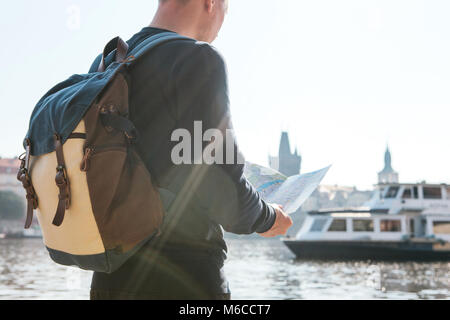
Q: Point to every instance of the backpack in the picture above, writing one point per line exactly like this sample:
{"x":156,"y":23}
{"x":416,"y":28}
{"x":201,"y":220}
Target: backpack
{"x":101,"y":206}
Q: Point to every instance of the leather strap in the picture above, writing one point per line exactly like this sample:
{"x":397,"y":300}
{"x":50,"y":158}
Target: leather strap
{"x":120,"y":123}
{"x":62,"y":182}
{"x":78,"y":135}
{"x":24,"y":176}
{"x":121,"y":48}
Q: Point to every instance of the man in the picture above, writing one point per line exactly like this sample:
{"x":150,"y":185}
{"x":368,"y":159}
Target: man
{"x":177,"y":85}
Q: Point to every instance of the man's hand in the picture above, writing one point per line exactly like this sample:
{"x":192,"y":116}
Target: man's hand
{"x":282,"y":223}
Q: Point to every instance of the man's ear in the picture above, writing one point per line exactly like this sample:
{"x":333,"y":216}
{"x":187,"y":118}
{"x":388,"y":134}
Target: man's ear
{"x":209,"y":5}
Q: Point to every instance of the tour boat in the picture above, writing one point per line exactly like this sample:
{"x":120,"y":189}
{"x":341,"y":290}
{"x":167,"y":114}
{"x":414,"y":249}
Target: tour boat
{"x":400,"y":222}
{"x":32,"y":233}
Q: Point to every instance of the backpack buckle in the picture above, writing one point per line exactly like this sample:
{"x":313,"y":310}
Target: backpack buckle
{"x":24,"y":176}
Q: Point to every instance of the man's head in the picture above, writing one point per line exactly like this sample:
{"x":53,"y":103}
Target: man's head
{"x":198,"y":19}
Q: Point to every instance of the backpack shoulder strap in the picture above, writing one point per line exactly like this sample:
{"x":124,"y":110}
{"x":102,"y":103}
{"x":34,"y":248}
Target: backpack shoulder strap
{"x":152,"y":42}
{"x":117,"y":46}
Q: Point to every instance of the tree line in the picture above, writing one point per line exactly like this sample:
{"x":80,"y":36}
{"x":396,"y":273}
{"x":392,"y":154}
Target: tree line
{"x":12,"y":206}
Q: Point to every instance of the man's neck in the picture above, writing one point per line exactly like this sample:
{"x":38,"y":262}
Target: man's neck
{"x":175,"y":22}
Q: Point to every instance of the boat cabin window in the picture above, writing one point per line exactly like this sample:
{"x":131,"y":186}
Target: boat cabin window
{"x":362,"y":225}
{"x":432,"y":193}
{"x":392,"y":192}
{"x":410,"y":193}
{"x":441,"y":227}
{"x":416,"y":192}
{"x":448,"y":193}
{"x":407,"y":194}
{"x":338,"y":225}
{"x":318,"y":225}
{"x":390,"y":225}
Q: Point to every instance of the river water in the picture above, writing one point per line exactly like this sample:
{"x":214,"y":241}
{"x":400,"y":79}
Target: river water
{"x":256,"y":269}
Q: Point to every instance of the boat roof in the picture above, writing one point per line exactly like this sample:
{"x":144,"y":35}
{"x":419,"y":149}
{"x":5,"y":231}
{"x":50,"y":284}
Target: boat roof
{"x":366,"y":210}
{"x":423,"y":183}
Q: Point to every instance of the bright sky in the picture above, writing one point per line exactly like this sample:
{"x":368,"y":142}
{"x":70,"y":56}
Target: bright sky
{"x":343,"y":77}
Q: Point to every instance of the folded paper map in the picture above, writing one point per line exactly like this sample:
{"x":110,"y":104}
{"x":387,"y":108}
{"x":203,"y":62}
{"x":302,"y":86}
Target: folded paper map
{"x":290,"y":192}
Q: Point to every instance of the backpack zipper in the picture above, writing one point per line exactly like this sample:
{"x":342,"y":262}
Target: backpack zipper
{"x":90,"y":151}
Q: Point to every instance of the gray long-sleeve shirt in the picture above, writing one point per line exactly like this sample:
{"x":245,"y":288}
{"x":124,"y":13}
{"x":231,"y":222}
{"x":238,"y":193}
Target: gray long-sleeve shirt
{"x":175,"y":85}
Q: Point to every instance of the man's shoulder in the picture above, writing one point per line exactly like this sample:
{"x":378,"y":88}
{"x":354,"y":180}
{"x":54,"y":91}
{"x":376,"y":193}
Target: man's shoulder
{"x":194,"y":52}
{"x":206,"y":49}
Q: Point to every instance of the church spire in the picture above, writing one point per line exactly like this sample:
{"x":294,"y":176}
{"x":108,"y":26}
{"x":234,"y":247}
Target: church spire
{"x":387,"y":175}
{"x":289,"y":163}
{"x":387,"y":161}
{"x":285,"y":147}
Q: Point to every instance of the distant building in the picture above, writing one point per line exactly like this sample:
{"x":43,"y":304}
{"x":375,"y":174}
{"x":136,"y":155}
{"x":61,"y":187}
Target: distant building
{"x":387,"y":175}
{"x":8,"y":176}
{"x":287,"y":163}
{"x":274,"y":163}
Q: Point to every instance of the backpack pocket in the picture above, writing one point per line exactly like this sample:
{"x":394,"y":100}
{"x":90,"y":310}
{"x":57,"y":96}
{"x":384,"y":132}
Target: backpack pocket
{"x":124,"y":201}
{"x":78,"y":234}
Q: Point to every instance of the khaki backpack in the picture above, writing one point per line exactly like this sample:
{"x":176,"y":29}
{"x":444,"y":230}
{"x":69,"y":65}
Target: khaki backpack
{"x":95,"y":201}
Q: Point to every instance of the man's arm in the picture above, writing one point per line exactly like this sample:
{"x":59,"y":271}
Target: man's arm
{"x":201,"y":91}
